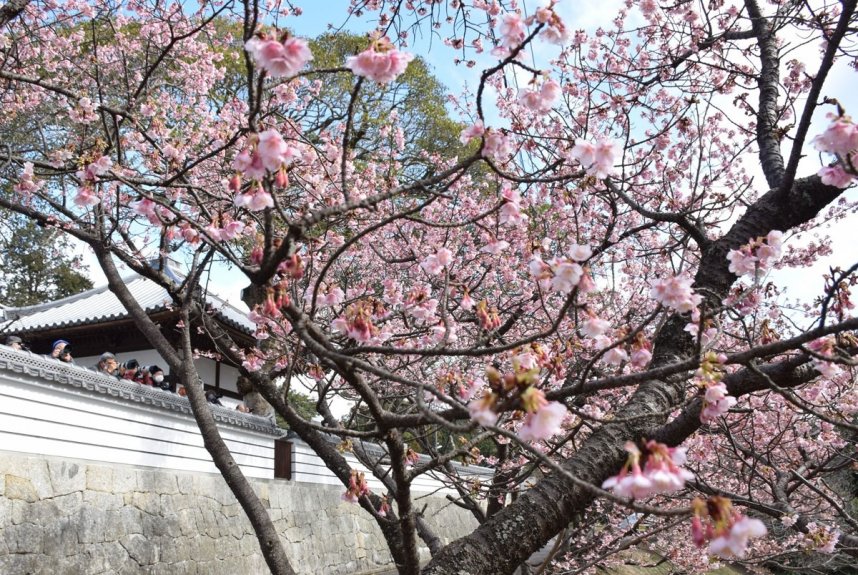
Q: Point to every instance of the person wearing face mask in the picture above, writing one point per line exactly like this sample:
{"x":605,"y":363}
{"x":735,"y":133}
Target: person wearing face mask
{"x":157,"y":376}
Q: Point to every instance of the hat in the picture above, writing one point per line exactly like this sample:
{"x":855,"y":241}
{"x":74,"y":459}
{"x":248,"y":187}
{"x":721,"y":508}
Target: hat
{"x":153,"y":369}
{"x":105,"y":356}
{"x":13,"y":339}
{"x":58,"y":342}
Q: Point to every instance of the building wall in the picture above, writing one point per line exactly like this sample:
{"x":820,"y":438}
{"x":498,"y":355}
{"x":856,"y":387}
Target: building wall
{"x":68,"y":516}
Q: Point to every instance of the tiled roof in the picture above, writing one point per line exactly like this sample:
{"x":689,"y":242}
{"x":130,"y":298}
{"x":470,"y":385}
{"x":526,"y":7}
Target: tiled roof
{"x":101,"y":305}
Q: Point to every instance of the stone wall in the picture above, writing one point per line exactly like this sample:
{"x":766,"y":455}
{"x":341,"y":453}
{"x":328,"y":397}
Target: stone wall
{"x":70,"y":517}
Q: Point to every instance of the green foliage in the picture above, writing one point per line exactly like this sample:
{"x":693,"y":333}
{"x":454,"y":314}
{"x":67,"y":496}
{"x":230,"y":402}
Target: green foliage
{"x":417,"y":97}
{"x":37,"y":264}
{"x":303,"y":404}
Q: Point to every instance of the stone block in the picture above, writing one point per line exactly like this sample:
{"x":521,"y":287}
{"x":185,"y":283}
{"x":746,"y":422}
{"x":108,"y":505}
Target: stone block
{"x":68,"y":504}
{"x":102,"y":500}
{"x":148,"y":502}
{"x":132,"y":520}
{"x":15,"y":563}
{"x":141,"y":550}
{"x":99,"y":478}
{"x":24,"y":538}
{"x":18,"y":487}
{"x":66,"y":477}
{"x":60,"y":538}
{"x":165,"y":482}
{"x":187,"y":522}
{"x":19,"y":511}
{"x":153,"y":525}
{"x":124,"y":480}
{"x":185,"y":483}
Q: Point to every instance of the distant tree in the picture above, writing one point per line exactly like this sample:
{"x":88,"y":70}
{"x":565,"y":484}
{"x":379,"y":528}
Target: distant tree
{"x":37,"y":264}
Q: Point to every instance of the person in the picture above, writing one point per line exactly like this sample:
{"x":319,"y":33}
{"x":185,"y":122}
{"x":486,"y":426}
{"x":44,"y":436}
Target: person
{"x":107,"y":364}
{"x":65,"y":355}
{"x":156,"y":375}
{"x":57,"y":347}
{"x":15,"y":342}
{"x":212,"y":397}
{"x":128,"y":369}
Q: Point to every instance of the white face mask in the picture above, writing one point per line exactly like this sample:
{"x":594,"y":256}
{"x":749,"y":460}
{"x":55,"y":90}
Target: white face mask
{"x":158,"y":378}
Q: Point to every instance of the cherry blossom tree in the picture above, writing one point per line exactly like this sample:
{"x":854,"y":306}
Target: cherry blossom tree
{"x":583,"y":296}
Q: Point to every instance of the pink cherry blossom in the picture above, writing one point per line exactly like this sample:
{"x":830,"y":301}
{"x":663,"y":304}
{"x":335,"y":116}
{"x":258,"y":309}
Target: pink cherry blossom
{"x":742,"y":261}
{"x":26,"y":185}
{"x":86,"y":197}
{"x":475,"y":130}
{"x":273,"y":150}
{"x":494,"y":247}
{"x":835,"y":176}
{"x":840,"y":138}
{"x":510,"y":212}
{"x":252,"y":362}
{"x":597,"y":159}
{"x":496,"y":145}
{"x":541,"y":100}
{"x":482,"y":409}
{"x":580,"y":253}
{"x":566,"y":276}
{"x":256,"y":199}
{"x":615,"y":356}
{"x":641,"y":357}
{"x":545,"y":423}
{"x":716,"y":402}
{"x":250,"y":165}
{"x":676,"y":293}
{"x":512,"y":30}
{"x":381,"y":62}
{"x":734,"y":543}
{"x":662,"y":473}
{"x":357,"y":487}
{"x":279,"y":58}
{"x":433,"y":264}
{"x":594,"y":326}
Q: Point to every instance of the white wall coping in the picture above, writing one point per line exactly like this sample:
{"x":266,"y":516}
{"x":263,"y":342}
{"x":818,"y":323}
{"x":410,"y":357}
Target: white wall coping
{"x":54,"y":373}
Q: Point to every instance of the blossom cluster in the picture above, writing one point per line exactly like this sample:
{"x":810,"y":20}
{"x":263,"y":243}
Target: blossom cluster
{"x":26,"y":184}
{"x":597,"y":158}
{"x":756,"y":256}
{"x":726,"y":530}
{"x":662,"y":471}
{"x":540,"y":100}
{"x":563,"y":274}
{"x":357,"y":487}
{"x":840,"y":139}
{"x":716,"y":400}
{"x":513,"y":29}
{"x":267,"y":153}
{"x":820,"y":538}
{"x":357,"y":323}
{"x":88,"y":176}
{"x":381,"y":62}
{"x":280,"y":57}
{"x":676,"y":293}
{"x":543,"y":419}
{"x":824,"y":347}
